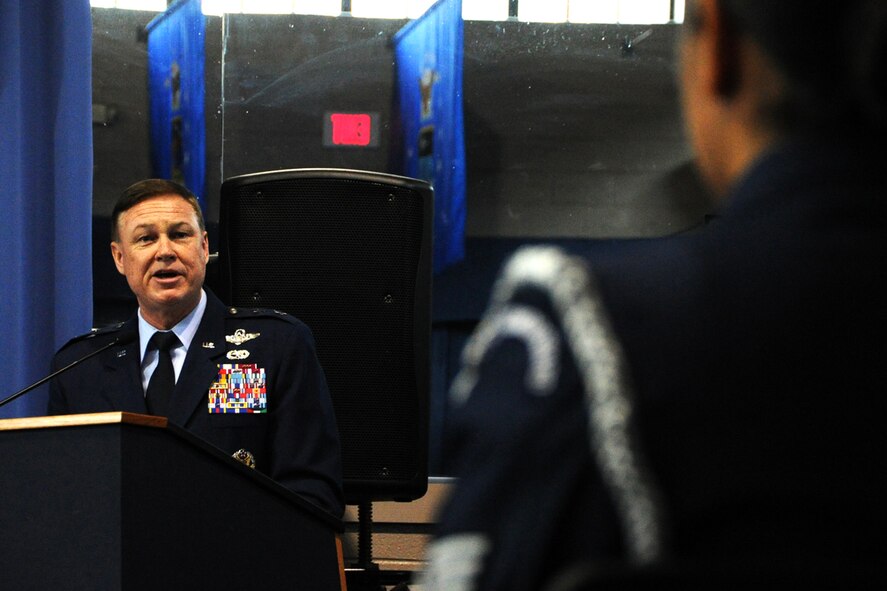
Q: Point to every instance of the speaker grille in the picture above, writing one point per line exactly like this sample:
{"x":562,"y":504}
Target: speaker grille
{"x":342,"y":255}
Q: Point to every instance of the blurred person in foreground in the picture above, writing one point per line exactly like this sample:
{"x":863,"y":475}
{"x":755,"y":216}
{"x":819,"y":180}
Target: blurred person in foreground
{"x":246,"y":380}
{"x":710,"y":402}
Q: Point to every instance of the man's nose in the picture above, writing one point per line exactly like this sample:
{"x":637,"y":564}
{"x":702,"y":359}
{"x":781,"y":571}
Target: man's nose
{"x":165,"y":248}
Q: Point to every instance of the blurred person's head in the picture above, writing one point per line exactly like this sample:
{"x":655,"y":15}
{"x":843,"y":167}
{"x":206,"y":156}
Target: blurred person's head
{"x":754,"y":72}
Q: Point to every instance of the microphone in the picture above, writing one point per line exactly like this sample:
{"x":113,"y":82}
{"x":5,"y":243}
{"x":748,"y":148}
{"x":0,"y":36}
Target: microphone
{"x":124,"y":338}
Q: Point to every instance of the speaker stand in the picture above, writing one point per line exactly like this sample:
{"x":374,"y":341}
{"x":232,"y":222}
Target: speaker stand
{"x":365,"y":575}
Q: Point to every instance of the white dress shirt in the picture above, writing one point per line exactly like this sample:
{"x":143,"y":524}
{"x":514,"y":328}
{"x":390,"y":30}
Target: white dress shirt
{"x":185,"y":330}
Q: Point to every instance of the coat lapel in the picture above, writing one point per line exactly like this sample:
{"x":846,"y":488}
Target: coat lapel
{"x":122,"y":388}
{"x":201,"y":364}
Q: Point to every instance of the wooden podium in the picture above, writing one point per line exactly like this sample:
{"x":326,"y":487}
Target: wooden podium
{"x":124,"y":501}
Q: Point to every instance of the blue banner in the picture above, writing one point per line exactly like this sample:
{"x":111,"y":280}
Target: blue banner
{"x":428,"y":54}
{"x":46,"y":176}
{"x":176,"y":57}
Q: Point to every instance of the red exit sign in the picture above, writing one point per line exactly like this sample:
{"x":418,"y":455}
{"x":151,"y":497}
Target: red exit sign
{"x":350,"y":130}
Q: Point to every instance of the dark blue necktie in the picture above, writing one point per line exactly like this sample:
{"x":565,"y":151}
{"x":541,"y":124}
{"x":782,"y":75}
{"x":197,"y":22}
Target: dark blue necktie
{"x":163,"y":380}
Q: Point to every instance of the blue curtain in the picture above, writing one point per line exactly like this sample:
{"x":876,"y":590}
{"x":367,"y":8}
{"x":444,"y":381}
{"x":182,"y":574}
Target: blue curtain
{"x":428,"y":54}
{"x":176,"y":56}
{"x":46,"y":180}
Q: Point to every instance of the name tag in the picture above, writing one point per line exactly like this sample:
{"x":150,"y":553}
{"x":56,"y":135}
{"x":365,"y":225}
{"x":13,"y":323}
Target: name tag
{"x":239,"y":388}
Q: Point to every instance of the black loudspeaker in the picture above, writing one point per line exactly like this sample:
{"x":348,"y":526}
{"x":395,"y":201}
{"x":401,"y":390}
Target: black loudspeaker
{"x":348,"y":253}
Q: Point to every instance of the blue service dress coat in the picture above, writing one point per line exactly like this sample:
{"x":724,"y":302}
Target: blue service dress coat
{"x":714,"y":399}
{"x":293,"y":437}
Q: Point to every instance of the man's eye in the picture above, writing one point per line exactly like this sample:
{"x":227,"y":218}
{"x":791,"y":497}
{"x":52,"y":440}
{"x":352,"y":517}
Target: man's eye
{"x":145,"y":238}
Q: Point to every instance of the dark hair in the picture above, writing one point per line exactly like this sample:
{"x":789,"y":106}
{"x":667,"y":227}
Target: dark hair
{"x":146,"y":189}
{"x":831,"y":54}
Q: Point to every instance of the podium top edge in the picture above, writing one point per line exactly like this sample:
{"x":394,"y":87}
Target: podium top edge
{"x":99,"y":418}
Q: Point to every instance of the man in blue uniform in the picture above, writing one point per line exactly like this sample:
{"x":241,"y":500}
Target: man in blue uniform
{"x":246,"y":380}
{"x":710,"y":404}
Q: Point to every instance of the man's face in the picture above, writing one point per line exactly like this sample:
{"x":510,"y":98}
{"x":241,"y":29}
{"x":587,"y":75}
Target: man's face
{"x":163,"y":254}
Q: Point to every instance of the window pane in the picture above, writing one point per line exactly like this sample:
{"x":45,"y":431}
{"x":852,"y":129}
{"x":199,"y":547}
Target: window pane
{"x":324,"y":7}
{"x":576,"y":11}
{"x":621,"y":11}
{"x":643,"y":11}
{"x":418,"y":7}
{"x":485,"y":10}
{"x":220,"y":7}
{"x":679,"y":7}
{"x":377,"y":9}
{"x":270,"y":6}
{"x":594,"y":11}
{"x":542,"y":11}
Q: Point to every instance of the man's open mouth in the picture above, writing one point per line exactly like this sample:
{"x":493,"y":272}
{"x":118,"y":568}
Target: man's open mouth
{"x":165,"y":274}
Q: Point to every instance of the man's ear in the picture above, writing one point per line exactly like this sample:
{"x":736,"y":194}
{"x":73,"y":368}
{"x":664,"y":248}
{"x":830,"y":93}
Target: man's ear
{"x":117,"y":255}
{"x":723,"y":46}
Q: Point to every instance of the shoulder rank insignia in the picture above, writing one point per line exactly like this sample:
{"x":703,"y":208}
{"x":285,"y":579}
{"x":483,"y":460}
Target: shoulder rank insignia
{"x":240,"y":336}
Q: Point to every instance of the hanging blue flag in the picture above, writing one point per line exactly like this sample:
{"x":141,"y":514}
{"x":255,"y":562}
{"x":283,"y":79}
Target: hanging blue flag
{"x":428,"y":54}
{"x":176,"y":57}
{"x":46,"y":176}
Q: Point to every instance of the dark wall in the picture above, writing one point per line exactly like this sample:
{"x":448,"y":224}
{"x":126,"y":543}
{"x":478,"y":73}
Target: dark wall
{"x":119,"y":83}
{"x":121,"y":147}
{"x":569,"y":131}
{"x":283,"y":72}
